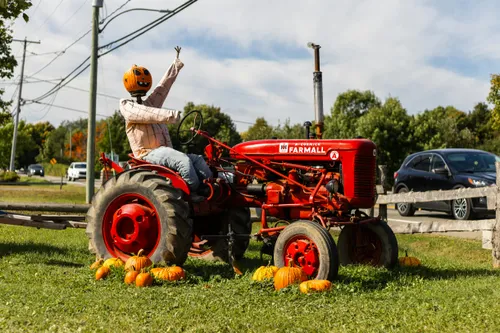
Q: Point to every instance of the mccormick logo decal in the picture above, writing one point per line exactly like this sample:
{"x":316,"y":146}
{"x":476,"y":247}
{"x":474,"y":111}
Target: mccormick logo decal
{"x":301,"y":148}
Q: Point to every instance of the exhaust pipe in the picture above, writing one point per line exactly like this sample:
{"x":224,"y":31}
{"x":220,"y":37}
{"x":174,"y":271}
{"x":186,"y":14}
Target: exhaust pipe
{"x":318,"y":91}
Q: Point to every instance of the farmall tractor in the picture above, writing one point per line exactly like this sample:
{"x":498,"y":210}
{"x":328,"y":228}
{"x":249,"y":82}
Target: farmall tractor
{"x":305,"y":186}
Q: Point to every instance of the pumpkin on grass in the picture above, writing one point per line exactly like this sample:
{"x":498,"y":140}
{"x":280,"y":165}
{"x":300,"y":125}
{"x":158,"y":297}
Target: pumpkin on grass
{"x":96,"y":264}
{"x":288,"y":275}
{"x":314,"y":285}
{"x":130,"y":277}
{"x":173,"y":273}
{"x":102,"y":272}
{"x":113,"y":262}
{"x":264,"y":272}
{"x":138,"y":262}
{"x":143,"y":279}
{"x":409,"y":261}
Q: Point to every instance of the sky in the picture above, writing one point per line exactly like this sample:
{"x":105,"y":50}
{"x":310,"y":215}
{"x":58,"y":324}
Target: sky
{"x":251,"y":58}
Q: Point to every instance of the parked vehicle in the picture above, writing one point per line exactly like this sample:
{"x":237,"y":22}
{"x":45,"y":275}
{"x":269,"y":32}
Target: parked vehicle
{"x":77,"y":170}
{"x":446,"y":169}
{"x":35,"y":169}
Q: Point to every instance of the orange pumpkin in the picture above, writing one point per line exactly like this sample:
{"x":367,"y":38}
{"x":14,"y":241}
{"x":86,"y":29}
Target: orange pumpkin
{"x":138,"y":262}
{"x":96,"y":264}
{"x":143,"y":279}
{"x":113,"y":262}
{"x":409,"y":261}
{"x":130,"y":277}
{"x":314,"y":285}
{"x":137,"y":80}
{"x":102,"y":272}
{"x":174,"y":273}
{"x":288,"y":275}
{"x":264,"y":273}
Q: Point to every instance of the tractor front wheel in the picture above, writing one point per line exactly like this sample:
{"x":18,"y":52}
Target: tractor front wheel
{"x":307,"y":245}
{"x":139,"y":209}
{"x":368,"y":244}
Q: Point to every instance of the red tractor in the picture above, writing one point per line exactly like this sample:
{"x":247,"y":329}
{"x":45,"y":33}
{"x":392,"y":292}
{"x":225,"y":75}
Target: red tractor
{"x":304,"y":186}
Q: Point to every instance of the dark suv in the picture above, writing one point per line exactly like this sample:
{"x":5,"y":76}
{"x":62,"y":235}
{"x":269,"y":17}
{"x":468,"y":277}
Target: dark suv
{"x":446,"y":169}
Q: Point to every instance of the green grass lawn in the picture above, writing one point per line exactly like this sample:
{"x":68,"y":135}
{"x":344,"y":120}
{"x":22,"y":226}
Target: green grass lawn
{"x":46,"y":285}
{"x":70,"y":194}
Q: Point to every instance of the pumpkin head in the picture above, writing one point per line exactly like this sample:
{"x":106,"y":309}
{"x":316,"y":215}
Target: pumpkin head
{"x":409,"y":261}
{"x":137,"y":80}
{"x":174,"y":273}
{"x":96,"y":264}
{"x":113,"y":262}
{"x":138,"y":262}
{"x":143,"y":279}
{"x":130,"y":277}
{"x":314,"y":285}
{"x":288,"y":275}
{"x":264,"y":272}
{"x":102,"y":272}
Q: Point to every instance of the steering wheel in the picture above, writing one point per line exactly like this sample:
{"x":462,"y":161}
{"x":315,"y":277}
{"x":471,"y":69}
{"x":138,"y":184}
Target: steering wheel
{"x":196,"y":119}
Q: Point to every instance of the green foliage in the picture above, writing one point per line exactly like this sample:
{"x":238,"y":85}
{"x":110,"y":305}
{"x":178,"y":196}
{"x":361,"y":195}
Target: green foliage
{"x":258,"y":131}
{"x":216,"y":123}
{"x":114,"y":137}
{"x":54,"y":145}
{"x":494,"y":98}
{"x":9,"y":176}
{"x":388,"y":126}
{"x":9,"y":12}
{"x":25,"y":144}
{"x":287,"y":131}
{"x":57,"y":169}
{"x":348,"y":108}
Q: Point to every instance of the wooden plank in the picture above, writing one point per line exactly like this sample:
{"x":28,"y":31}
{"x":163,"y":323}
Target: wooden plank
{"x":412,"y":197}
{"x":495,"y":237}
{"x":60,"y":208}
{"x":27,"y":222}
{"x":444,"y":226}
{"x":58,"y":222}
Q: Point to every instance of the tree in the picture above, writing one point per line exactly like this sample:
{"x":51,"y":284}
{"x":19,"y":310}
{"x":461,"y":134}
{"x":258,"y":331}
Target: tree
{"x":218,"y":124}
{"x":114,"y":137}
{"x":288,"y":131}
{"x":388,"y":127}
{"x":24,"y":144}
{"x":258,"y":131}
{"x":494,"y":98}
{"x":54,"y":145}
{"x":348,"y":108}
{"x":9,"y":12}
{"x":442,"y":127}
{"x":479,"y":123}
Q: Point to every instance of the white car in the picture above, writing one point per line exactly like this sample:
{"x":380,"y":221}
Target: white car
{"x":77,"y":170}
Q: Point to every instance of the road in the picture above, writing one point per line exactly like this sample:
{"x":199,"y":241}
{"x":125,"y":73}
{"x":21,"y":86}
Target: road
{"x":79,"y":182}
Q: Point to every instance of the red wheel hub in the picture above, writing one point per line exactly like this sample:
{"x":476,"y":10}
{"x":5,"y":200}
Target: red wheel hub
{"x":303,"y":252}
{"x":130,"y":223}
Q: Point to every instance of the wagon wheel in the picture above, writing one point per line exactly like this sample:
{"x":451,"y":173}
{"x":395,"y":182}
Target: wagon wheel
{"x":309,"y":246}
{"x":368,"y":244}
{"x":138,"y":209}
{"x":216,"y":249}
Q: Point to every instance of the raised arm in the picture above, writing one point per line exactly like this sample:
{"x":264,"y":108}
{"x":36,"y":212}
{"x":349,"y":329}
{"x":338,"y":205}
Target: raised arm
{"x":159,"y":94}
{"x":142,"y":114}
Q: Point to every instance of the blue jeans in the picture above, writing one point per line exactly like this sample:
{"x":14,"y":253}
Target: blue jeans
{"x":191,"y":167}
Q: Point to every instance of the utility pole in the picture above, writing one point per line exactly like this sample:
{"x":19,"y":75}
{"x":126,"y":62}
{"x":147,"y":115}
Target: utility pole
{"x":96,"y":4}
{"x":19,"y":98}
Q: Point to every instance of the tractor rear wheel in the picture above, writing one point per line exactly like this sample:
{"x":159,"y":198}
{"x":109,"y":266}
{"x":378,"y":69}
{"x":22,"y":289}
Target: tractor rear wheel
{"x":216,"y":249}
{"x":307,"y":245}
{"x":369,"y":244}
{"x":139,"y":209}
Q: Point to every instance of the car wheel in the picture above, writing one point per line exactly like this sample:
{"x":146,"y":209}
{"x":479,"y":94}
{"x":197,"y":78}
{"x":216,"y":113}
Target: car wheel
{"x":461,"y":209}
{"x":405,"y":209}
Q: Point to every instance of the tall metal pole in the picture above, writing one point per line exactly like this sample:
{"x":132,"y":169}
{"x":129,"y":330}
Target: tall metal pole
{"x":318,"y":91}
{"x":96,"y":4}
{"x":19,"y":99}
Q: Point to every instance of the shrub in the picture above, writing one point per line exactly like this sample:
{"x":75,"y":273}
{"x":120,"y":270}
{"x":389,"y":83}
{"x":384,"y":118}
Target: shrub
{"x":55,"y":169}
{"x":9,"y":176}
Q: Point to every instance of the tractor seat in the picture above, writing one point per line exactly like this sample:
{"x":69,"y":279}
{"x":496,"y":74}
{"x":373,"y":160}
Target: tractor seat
{"x":136,"y":161}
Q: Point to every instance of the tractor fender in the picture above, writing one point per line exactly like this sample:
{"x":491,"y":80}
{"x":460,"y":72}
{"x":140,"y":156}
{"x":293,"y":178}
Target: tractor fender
{"x":177,"y":181}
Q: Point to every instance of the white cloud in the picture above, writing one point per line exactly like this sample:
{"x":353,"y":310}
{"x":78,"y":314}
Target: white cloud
{"x":382,"y":46}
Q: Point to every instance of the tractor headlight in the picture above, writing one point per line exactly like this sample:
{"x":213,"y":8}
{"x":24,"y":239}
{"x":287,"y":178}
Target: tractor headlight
{"x":332,"y":186}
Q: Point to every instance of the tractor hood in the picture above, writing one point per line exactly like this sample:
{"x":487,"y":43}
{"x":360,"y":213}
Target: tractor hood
{"x":303,"y":150}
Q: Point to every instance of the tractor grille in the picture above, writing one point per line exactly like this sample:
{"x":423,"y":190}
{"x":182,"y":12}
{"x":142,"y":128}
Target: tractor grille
{"x":364,"y":176}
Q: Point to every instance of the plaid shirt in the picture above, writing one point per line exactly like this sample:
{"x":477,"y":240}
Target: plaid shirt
{"x":146,"y":123}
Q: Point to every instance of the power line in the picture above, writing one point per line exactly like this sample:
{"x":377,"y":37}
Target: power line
{"x":76,"y":88}
{"x":65,"y":108}
{"x":76,"y":11}
{"x":50,"y":14}
{"x":117,"y":9}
